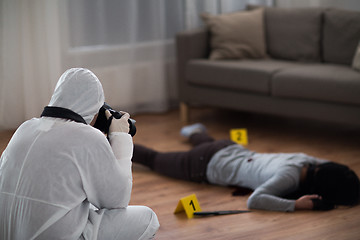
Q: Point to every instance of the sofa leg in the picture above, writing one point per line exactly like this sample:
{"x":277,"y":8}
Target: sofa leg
{"x":184,"y":113}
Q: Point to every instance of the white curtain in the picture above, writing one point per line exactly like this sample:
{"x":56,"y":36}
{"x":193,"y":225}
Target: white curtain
{"x":128,"y":44}
{"x":29,"y":59}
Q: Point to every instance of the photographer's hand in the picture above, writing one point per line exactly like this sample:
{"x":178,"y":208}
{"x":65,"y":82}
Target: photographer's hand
{"x":119,"y":125}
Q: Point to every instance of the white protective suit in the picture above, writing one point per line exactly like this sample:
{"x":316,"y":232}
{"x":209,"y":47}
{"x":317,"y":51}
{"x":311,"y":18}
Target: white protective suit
{"x":54,"y":171}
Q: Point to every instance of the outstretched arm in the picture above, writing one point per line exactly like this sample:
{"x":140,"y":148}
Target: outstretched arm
{"x":268,"y":196}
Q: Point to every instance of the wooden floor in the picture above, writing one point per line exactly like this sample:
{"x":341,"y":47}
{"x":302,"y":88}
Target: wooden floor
{"x":266,"y":134}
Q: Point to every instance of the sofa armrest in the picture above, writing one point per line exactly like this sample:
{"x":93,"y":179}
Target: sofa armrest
{"x":190,"y":44}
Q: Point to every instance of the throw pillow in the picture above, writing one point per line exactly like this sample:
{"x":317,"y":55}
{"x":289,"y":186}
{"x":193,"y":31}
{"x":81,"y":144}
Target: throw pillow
{"x":356,"y":60}
{"x":293,"y":33}
{"x":341,"y":34}
{"x":237,"y":35}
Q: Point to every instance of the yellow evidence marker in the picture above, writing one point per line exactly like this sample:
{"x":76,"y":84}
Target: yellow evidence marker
{"x":189,"y":204}
{"x":239,"y":136}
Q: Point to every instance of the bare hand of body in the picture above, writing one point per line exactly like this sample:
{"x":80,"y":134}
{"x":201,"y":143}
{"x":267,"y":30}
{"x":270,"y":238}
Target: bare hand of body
{"x":305,"y":202}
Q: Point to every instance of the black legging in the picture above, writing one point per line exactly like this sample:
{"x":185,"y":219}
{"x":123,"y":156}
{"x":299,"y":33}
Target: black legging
{"x":187,"y":165}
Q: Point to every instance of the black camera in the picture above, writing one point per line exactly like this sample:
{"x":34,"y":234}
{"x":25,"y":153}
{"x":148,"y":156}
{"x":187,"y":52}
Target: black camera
{"x":103,"y":124}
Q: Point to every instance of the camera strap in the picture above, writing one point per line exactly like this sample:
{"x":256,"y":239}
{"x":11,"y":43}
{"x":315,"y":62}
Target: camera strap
{"x":59,"y":112}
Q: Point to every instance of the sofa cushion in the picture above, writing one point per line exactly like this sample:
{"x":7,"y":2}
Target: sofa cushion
{"x":237,"y":35}
{"x":244,"y":75}
{"x":356,"y":61}
{"x":293,"y":34}
{"x":341,"y":35}
{"x":325,"y":82}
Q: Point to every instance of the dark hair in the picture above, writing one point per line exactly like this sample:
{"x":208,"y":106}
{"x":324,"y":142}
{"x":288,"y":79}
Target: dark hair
{"x":337,"y":184}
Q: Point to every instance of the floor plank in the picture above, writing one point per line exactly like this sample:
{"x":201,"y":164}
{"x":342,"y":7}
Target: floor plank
{"x":266,"y":134}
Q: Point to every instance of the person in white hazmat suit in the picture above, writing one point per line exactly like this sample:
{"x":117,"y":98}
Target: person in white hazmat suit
{"x":61,"y":179}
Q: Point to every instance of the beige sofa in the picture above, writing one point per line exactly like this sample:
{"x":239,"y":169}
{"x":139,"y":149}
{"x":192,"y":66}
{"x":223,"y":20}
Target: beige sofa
{"x":308,"y":71}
